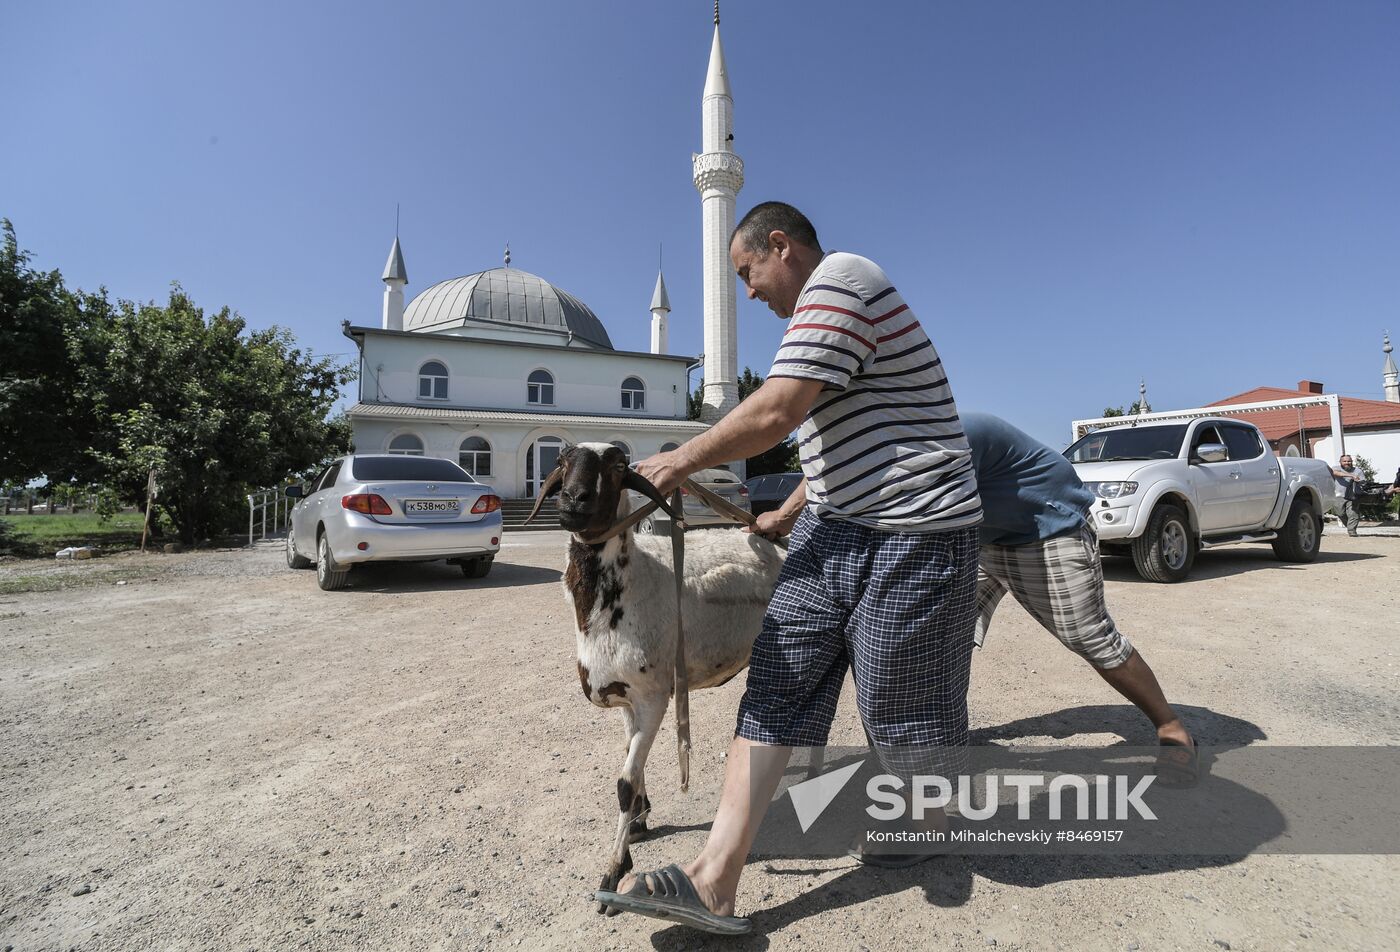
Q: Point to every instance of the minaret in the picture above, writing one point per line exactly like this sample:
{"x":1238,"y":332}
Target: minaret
{"x":395,"y":277}
{"x":718,"y":176}
{"x":1392,"y":375}
{"x":660,"y":307}
{"x":1143,"y":406}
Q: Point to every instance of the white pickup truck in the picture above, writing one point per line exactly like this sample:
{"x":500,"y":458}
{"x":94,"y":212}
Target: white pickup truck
{"x":1167,"y":489}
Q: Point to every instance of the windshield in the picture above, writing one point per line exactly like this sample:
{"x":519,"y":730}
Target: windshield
{"x":1155,"y":442}
{"x":374,"y":469}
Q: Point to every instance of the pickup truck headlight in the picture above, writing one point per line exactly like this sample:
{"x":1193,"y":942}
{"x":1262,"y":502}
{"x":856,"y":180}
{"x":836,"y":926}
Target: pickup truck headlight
{"x":1112,"y":490}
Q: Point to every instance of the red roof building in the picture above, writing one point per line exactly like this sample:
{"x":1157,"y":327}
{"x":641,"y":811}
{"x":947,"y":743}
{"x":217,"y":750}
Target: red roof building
{"x":1302,"y":429}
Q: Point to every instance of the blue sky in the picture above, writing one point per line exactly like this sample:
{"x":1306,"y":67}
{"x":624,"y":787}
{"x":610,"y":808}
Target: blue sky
{"x":1071,"y":195}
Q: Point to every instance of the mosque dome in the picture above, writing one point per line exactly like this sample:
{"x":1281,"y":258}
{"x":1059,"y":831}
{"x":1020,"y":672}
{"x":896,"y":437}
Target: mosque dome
{"x":504,"y":296}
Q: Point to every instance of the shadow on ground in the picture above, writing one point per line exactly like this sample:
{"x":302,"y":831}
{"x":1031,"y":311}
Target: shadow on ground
{"x":408,"y":577}
{"x":1224,"y":562}
{"x":948,"y":881}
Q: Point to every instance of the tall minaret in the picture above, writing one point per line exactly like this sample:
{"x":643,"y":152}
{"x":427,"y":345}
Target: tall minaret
{"x":1143,"y":405}
{"x":395,"y":277}
{"x":1392,"y":375}
{"x":660,"y":307}
{"x":718,"y":176}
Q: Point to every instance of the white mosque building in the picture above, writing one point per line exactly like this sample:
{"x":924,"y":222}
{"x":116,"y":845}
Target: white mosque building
{"x":499,"y":370}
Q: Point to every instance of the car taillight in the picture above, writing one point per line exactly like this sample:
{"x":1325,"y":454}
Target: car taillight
{"x":371,"y":504}
{"x":743,"y":491}
{"x":486,"y":504}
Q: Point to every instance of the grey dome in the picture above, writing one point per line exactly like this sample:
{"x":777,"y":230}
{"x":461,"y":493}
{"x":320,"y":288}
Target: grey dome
{"x":504,"y":295}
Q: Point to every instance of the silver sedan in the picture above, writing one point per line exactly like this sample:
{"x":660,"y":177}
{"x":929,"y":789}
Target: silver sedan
{"x":392,"y":509}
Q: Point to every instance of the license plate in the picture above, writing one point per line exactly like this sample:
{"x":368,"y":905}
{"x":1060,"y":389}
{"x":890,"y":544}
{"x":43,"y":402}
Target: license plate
{"x":432,"y":505}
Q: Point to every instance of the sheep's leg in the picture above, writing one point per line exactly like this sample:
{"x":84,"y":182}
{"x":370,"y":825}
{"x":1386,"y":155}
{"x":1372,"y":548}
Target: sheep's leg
{"x":646,"y":715}
{"x":638,"y":828}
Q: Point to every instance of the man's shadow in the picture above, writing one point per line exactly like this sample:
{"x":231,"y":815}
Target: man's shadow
{"x":948,"y":881}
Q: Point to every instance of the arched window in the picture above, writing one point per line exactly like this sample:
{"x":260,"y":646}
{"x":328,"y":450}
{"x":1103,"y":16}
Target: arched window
{"x":432,"y":381}
{"x":634,"y":394}
{"x":475,"y":456}
{"x":626,"y":450}
{"x":540,"y":388}
{"x":668,"y":447}
{"x":406,"y":444}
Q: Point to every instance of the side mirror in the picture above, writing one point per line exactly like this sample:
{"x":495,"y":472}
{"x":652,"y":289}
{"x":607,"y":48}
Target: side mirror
{"x":1212,"y":453}
{"x":295,"y":492}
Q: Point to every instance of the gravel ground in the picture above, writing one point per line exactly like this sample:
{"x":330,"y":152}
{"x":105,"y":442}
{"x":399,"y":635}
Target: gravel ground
{"x":204,"y":751}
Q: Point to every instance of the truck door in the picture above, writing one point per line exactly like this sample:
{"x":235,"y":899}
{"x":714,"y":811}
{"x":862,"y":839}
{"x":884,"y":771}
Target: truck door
{"x":1259,"y":473}
{"x":1217,"y":485}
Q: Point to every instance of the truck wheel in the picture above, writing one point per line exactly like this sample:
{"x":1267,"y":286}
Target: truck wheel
{"x":1301,"y":536}
{"x":1164,"y":552}
{"x":328,"y":575}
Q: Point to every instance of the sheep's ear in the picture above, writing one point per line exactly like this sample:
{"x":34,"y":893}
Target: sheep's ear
{"x":634,"y":480}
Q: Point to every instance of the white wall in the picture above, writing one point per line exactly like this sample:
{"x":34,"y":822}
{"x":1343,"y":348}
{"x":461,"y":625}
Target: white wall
{"x":1382,"y":449}
{"x":494,"y":375}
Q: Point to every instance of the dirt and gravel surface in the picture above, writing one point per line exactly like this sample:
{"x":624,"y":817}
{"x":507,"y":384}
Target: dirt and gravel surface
{"x":204,"y":751}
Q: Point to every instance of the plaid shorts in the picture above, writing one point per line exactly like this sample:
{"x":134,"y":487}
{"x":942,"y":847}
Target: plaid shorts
{"x":897,"y":608}
{"x":1060,"y":582}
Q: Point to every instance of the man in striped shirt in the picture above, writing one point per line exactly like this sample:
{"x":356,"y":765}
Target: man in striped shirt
{"x":881,"y":570}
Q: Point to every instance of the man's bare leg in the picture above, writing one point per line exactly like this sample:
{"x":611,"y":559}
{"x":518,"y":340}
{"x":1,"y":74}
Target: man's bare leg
{"x":752,"y":773}
{"x":1135,"y":681}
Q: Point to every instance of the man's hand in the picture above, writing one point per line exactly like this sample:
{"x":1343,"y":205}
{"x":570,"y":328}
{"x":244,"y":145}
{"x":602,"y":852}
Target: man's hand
{"x":772,"y":525}
{"x":665,"y":471}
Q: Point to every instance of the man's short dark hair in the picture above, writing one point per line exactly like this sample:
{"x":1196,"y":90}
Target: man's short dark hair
{"x":768,"y":217}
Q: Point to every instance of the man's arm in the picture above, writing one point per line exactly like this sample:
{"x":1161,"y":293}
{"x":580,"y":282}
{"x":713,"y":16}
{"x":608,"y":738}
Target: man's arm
{"x":780,"y":521}
{"x":759,"y":423}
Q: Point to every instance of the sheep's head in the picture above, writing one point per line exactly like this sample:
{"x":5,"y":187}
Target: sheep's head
{"x":590,"y":479}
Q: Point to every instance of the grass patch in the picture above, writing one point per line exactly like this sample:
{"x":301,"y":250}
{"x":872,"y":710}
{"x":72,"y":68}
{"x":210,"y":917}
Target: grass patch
{"x":59,"y":581}
{"x":40,"y":536}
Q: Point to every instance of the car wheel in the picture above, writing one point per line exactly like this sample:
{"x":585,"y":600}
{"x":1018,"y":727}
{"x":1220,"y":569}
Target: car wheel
{"x":1301,"y":536}
{"x":477,"y":568}
{"x":295,"y":561}
{"x":1165,"y":552}
{"x":328,"y":575}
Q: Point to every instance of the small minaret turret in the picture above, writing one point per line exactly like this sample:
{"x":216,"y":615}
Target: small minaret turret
{"x":1392,"y":374}
{"x":718,"y":175}
{"x":395,"y":277}
{"x":1142,"y":404}
{"x":660,"y":307}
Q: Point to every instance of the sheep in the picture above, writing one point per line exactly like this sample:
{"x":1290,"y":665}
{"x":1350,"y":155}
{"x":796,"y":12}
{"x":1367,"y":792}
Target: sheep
{"x":623,"y":595}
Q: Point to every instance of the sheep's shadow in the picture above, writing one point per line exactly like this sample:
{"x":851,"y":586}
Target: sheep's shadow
{"x":947,"y":882}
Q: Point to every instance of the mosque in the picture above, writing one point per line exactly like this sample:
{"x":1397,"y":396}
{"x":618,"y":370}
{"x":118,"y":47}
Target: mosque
{"x":500,"y":369}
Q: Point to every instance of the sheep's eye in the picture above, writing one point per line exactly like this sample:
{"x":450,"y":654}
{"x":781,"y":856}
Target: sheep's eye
{"x":622,"y":467}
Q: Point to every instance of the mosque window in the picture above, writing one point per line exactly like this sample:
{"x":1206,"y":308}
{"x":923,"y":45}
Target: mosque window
{"x":540,"y":388}
{"x":634,"y":394}
{"x":406,"y":444}
{"x":432,"y":381}
{"x":626,"y":450}
{"x":475,"y":456}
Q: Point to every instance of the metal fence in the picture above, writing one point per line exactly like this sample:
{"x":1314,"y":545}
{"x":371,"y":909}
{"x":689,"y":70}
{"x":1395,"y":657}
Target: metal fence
{"x":265,"y":505}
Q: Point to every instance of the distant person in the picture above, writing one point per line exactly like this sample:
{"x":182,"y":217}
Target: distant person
{"x":1349,"y":479}
{"x":1039,"y":544}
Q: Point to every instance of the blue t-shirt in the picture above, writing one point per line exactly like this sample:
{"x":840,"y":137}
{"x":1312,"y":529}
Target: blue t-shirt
{"x":1029,"y":492}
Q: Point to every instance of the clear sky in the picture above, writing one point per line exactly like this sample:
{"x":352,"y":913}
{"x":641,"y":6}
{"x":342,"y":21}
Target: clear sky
{"x":1070,"y":194}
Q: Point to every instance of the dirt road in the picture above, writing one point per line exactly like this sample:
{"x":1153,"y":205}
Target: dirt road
{"x":216,"y":755}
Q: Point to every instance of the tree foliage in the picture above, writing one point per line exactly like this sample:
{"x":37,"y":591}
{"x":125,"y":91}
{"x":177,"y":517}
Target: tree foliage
{"x":214,"y":408}
{"x":780,"y":459}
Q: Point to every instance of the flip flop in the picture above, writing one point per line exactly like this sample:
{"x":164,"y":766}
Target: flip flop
{"x":1178,"y":766}
{"x":674,"y":899}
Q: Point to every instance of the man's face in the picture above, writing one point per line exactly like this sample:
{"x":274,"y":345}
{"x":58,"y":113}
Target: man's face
{"x":1346,"y":462}
{"x":773,"y":276}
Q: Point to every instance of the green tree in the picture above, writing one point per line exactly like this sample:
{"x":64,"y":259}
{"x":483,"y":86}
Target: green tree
{"x":214,"y":409}
{"x":1137,"y":406}
{"x":46,"y":420}
{"x":781,"y":458}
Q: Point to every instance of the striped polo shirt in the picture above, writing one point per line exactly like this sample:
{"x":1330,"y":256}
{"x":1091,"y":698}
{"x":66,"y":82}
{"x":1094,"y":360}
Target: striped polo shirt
{"x":883,"y":446}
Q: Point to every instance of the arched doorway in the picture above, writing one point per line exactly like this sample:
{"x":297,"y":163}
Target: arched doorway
{"x":540,"y":459}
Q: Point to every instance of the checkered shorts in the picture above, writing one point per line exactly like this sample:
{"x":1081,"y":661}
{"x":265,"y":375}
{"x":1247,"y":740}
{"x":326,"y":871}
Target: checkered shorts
{"x":1060,"y":582}
{"x":898,"y":609}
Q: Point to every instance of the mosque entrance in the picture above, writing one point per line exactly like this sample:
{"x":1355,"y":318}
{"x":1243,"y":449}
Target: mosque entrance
{"x":539,"y":461}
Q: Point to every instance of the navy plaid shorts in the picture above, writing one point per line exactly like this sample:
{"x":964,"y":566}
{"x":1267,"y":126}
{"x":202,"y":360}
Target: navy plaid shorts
{"x":899,"y":608}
